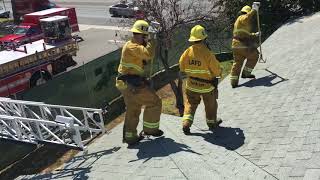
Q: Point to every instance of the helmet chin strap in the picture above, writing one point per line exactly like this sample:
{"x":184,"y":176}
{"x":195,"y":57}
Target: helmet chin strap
{"x":207,"y":44}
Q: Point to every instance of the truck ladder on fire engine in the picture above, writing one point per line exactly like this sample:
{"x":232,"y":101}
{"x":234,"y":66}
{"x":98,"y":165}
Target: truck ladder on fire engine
{"x":39,"y":123}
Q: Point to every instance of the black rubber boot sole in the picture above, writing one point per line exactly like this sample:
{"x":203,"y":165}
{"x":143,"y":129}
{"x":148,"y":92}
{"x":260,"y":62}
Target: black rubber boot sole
{"x":216,"y":125}
{"x":136,"y":142}
{"x":186,"y":130}
{"x":234,"y":85}
{"x":158,"y":134}
{"x":251,"y":76}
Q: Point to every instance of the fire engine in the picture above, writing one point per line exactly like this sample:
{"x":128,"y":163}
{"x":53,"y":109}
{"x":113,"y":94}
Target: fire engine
{"x":35,"y":63}
{"x":22,"y":7}
{"x":29,"y":30}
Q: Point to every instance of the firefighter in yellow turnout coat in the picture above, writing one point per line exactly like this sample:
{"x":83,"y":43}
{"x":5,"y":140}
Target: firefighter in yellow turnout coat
{"x":134,"y":86}
{"x":201,"y":67}
{"x":244,"y":45}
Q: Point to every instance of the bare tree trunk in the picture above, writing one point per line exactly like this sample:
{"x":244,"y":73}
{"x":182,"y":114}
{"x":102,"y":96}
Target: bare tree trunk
{"x":180,"y":95}
{"x":177,"y":90}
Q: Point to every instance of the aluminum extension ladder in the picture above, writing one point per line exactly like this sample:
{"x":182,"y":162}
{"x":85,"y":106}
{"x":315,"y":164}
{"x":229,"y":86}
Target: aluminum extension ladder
{"x":40,"y":123}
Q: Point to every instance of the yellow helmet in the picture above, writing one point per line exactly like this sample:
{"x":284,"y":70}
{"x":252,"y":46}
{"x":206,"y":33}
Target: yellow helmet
{"x":246,"y":9}
{"x":197,"y":33}
{"x":140,"y":27}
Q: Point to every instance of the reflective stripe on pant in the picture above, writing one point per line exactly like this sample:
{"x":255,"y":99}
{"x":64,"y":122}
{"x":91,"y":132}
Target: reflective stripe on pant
{"x":193,"y":100}
{"x":239,"y":55}
{"x":134,"y":99}
{"x":211,"y":106}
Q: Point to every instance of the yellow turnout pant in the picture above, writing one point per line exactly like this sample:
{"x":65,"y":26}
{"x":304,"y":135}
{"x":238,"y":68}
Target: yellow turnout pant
{"x":239,"y":55}
{"x":134,"y":99}
{"x":193,"y":100}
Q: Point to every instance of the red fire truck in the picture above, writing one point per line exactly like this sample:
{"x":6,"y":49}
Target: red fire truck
{"x":34,"y":18}
{"x":29,"y":30}
{"x":35,"y":63}
{"x":22,"y":7}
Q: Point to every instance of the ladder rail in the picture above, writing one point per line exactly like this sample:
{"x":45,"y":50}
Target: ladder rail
{"x":31,"y":133}
{"x":4,"y":130}
{"x":48,"y":105}
{"x":21,"y":135}
{"x":68,"y":113}
{"x":37,"y":122}
{"x":12,"y":105}
{"x":7,"y":126}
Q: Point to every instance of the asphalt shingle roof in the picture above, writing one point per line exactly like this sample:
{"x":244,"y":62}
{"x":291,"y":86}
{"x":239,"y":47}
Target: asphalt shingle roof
{"x":271,"y":127}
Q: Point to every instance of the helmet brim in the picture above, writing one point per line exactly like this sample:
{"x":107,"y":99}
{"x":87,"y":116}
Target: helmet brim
{"x":139,"y":32}
{"x":245,"y":11}
{"x":193,"y":39}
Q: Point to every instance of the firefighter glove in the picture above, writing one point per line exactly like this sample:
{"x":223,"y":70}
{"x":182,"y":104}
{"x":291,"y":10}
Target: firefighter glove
{"x":255,"y":6}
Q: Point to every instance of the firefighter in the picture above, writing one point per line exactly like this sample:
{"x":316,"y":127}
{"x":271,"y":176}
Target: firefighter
{"x":244,"y":44}
{"x":201,"y":67}
{"x":134,"y":86}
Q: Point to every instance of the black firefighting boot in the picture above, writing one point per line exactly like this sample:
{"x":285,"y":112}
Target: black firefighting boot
{"x":248,"y":75}
{"x":156,"y":134}
{"x":213,"y":126}
{"x":186,"y":130}
{"x":135,"y":142}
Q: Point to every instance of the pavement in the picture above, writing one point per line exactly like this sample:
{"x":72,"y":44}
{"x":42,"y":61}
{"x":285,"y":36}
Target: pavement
{"x":98,"y":41}
{"x":94,"y":12}
{"x":271,"y":127}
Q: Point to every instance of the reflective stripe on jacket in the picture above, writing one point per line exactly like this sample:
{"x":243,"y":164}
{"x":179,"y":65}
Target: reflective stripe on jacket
{"x":243,"y":30}
{"x":132,"y":57}
{"x":198,"y":61}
